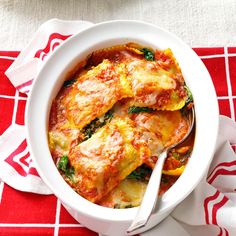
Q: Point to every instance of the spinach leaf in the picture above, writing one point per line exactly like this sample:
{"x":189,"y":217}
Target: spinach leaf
{"x":189,"y":93}
{"x":69,"y":82}
{"x":108,"y":116}
{"x":63,"y":163}
{"x":133,"y":109}
{"x":70,"y":172}
{"x":87,"y":131}
{"x":65,"y":167}
{"x":185,"y":110}
{"x":141,"y":173}
{"x":148,"y":54}
{"x":97,"y":123}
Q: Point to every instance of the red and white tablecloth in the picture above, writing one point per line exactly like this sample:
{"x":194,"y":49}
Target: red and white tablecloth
{"x":32,"y":214}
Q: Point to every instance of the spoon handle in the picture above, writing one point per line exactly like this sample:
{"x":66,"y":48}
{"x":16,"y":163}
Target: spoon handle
{"x":149,"y":199}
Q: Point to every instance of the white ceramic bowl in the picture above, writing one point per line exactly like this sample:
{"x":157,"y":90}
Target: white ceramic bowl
{"x":105,"y":220}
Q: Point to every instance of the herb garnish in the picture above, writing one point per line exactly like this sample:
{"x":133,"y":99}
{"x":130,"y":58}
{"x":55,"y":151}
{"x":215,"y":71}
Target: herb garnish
{"x":142,"y":173}
{"x":148,"y":54}
{"x":189,"y":93}
{"x":65,"y":167}
{"x":63,"y":163}
{"x":185,"y":110}
{"x":97,"y":123}
{"x":70,"y":172}
{"x":134,"y":109}
{"x":69,"y":82}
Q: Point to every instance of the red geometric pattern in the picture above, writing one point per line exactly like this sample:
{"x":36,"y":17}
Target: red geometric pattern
{"x":24,"y":213}
{"x":26,"y":84}
{"x":54,"y":41}
{"x":224,"y":168}
{"x":218,"y":74}
{"x":211,"y":205}
{"x":20,"y":160}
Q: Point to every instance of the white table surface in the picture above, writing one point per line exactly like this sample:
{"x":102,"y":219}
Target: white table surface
{"x":197,"y":22}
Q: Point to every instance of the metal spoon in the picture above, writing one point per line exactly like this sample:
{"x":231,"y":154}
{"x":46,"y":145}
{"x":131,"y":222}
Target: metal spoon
{"x":151,"y":193}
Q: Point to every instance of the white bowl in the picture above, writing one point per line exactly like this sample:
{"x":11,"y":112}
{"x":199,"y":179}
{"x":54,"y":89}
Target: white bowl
{"x":100,"y":219}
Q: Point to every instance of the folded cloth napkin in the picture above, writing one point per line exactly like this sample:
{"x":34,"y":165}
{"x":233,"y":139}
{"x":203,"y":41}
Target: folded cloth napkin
{"x":48,"y":37}
{"x":19,"y":171}
{"x":209,"y":210}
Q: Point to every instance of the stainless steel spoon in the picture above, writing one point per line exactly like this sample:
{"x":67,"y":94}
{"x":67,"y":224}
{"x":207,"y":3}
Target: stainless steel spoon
{"x":151,"y":193}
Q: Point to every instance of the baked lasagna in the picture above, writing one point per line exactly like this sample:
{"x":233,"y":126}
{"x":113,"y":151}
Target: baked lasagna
{"x":113,"y":117}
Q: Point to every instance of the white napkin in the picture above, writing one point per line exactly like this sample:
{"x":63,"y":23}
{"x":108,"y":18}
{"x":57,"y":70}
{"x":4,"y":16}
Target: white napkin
{"x":17,"y":169}
{"x":209,"y":210}
{"x":49,"y":36}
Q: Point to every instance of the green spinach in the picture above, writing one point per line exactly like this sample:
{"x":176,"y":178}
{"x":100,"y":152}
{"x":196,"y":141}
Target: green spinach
{"x":134,"y":109}
{"x":65,"y":167}
{"x":189,"y":94}
{"x":141,"y":173}
{"x":148,"y":54}
{"x":69,"y":82}
{"x":97,"y":123}
{"x":63,"y":163}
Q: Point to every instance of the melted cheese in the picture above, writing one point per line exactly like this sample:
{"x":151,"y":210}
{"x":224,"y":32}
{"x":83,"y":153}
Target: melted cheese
{"x":105,"y":159}
{"x":168,"y":62}
{"x":155,"y":87}
{"x":60,"y":141}
{"x":119,"y":76}
{"x":95,"y":93}
{"x":162,"y":128}
{"x":129,"y":193}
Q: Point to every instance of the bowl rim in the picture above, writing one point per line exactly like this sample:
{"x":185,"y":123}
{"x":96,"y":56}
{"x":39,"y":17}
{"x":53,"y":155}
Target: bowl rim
{"x":94,"y":210}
